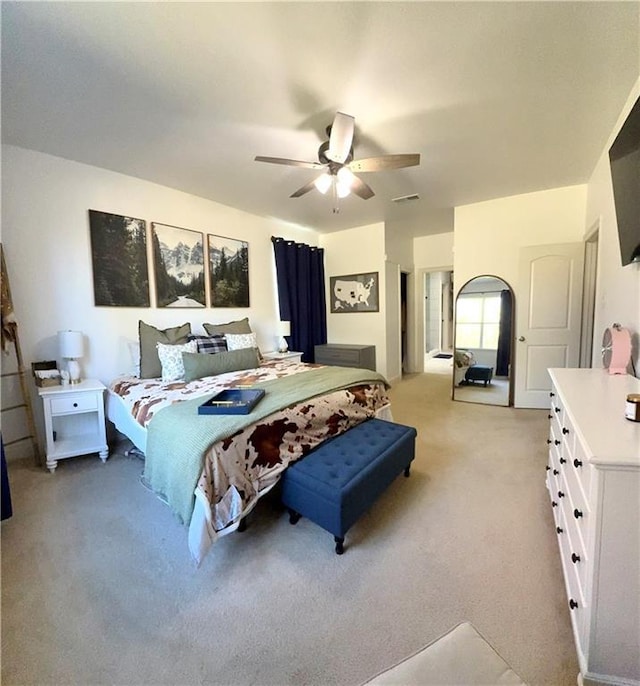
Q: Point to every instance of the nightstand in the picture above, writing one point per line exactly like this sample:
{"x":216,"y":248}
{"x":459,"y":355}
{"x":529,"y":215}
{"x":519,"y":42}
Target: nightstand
{"x":74,"y":421}
{"x":289,"y":356}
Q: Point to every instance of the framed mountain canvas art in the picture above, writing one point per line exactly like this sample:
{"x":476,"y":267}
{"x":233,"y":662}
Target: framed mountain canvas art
{"x":228,"y":272}
{"x":178,"y":262}
{"x":119,"y":260}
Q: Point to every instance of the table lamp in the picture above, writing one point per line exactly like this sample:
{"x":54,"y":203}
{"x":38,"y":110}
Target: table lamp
{"x":71,"y":349}
{"x":284,"y":329}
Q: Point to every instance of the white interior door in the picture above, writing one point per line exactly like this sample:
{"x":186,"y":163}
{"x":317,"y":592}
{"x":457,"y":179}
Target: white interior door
{"x":548,"y":321}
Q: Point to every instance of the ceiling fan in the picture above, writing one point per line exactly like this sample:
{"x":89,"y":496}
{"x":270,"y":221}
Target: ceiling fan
{"x":338,"y":166}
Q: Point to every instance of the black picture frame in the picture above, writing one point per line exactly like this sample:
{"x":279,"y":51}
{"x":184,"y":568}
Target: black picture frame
{"x":119,"y":260}
{"x":228,"y":271}
{"x":354,"y":293}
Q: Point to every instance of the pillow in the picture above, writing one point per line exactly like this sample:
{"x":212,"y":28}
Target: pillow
{"x":240,"y":326}
{"x":171,"y":359}
{"x":149,"y":336}
{"x":134,"y":352}
{"x":197,"y":365}
{"x":240,"y":341}
{"x":210,"y":344}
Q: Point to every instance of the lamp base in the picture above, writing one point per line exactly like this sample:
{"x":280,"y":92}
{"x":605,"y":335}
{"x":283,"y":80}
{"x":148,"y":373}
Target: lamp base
{"x":282,"y":346}
{"x":74,"y":371}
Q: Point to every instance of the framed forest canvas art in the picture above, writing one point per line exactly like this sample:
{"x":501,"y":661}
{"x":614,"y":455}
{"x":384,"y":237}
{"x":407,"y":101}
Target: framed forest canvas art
{"x":178,"y":262}
{"x":119,"y":258}
{"x":228,"y":272}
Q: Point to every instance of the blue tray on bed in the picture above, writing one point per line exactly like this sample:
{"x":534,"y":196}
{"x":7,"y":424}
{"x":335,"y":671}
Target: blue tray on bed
{"x":232,"y":401}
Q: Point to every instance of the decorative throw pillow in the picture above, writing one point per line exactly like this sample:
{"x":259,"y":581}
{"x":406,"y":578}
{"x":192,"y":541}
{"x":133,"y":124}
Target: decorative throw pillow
{"x":149,"y":336}
{"x":210,"y":344}
{"x":239,"y":326}
{"x":198,"y":365}
{"x":171,"y":359}
{"x":239,"y":341}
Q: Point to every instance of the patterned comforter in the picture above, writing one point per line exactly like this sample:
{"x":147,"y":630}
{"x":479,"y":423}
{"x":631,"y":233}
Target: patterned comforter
{"x":236,"y":471}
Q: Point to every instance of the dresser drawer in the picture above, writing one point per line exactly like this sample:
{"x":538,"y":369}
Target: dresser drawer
{"x":84,"y":402}
{"x":346,"y":355}
{"x":333,"y":355}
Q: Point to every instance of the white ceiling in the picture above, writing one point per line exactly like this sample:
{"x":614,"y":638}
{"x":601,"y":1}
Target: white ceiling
{"x":498,"y":98}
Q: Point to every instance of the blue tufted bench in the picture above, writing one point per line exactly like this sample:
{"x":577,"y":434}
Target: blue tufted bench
{"x":338,"y":481}
{"x":479,"y":372}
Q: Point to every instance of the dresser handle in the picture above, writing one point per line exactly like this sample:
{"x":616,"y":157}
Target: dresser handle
{"x":577,"y":514}
{"x":572,"y":604}
{"x":575,"y":558}
{"x":559,"y":530}
{"x":577,"y":463}
{"x":557,"y":409}
{"x":550,"y":416}
{"x":547,"y":468}
{"x":554,"y":503}
{"x":549,"y":441}
{"x":565,"y":431}
{"x":563,"y":461}
{"x":560,"y":494}
{"x":556,"y":472}
{"x":551,"y":394}
{"x":557,"y":442}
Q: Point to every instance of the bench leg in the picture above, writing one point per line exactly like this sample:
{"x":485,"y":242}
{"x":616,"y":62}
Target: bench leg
{"x":407,"y":470}
{"x":339,"y":544}
{"x":293,"y":516}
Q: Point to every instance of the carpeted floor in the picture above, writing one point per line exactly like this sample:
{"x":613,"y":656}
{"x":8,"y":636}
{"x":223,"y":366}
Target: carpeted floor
{"x":98,"y":588}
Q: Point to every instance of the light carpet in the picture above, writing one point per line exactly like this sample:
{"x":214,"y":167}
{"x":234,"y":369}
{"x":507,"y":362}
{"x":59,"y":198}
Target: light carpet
{"x":98,"y":587}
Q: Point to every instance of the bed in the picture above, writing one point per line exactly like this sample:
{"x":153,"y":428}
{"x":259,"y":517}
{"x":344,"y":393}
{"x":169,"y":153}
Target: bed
{"x":212,"y":470}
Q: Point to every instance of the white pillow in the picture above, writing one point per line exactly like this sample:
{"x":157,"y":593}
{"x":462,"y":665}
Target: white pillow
{"x":171,"y":359}
{"x":134,"y":352}
{"x":239,"y":341}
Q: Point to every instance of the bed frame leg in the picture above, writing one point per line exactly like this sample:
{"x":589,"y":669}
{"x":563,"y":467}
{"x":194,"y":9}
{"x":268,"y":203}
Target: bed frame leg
{"x":293,"y":516}
{"x":242,"y":525}
{"x":339,"y":544}
{"x":407,"y":470}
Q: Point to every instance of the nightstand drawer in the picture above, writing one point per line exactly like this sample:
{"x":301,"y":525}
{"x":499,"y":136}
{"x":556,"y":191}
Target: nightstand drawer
{"x":76,"y":403}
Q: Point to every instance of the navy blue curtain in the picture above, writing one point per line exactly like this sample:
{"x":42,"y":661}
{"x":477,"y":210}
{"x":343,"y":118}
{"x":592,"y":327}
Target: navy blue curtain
{"x":503,"y":357}
{"x":300,"y":276}
{"x":7,"y":510}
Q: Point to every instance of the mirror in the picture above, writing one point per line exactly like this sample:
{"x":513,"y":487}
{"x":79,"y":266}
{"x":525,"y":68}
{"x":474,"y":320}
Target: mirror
{"x":483,"y":342}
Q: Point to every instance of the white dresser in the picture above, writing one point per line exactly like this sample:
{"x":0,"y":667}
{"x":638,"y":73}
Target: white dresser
{"x":593,"y":477}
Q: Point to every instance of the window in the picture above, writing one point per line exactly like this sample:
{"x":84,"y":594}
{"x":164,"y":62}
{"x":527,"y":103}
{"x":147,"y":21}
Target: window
{"x":478,"y":320}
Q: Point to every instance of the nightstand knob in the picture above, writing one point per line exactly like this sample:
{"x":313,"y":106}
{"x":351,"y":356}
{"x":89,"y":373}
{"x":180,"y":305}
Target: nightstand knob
{"x":549,"y":441}
{"x":557,"y":409}
{"x":560,"y":494}
{"x":563,"y":461}
{"x":577,"y":463}
{"x":547,"y":468}
{"x":572,"y":604}
{"x":577,"y":514}
{"x":550,"y":416}
{"x":556,"y":472}
{"x":565,"y":431}
{"x":75,"y":404}
{"x":551,"y":394}
{"x":575,"y":558}
{"x":559,"y":530}
{"x":554,"y":503}
{"x":557,"y":442}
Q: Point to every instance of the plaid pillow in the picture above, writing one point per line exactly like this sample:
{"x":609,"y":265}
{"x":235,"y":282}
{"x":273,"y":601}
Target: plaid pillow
{"x":210,"y":344}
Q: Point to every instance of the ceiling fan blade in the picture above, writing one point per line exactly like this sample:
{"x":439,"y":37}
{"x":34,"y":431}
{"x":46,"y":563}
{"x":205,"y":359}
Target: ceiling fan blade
{"x":384,"y":162}
{"x":361,"y":189}
{"x":341,"y":137}
{"x":289,"y":163}
{"x":305,"y":189}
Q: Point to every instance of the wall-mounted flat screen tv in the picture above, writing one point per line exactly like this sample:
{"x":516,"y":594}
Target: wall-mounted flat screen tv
{"x":624,"y":157}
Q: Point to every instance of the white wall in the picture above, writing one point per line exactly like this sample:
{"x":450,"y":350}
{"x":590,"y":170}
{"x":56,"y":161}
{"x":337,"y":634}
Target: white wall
{"x":488,"y":235}
{"x":357,"y":251}
{"x":618,"y":287}
{"x":45,"y":203}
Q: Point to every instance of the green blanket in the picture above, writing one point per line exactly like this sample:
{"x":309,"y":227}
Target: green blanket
{"x":178,"y":436}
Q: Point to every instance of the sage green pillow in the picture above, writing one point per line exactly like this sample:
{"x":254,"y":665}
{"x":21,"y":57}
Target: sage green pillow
{"x":150,"y":367}
{"x":239,"y":326}
{"x":197,"y":365}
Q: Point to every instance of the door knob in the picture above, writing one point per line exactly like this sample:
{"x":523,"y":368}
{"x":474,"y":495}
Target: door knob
{"x":522,"y":338}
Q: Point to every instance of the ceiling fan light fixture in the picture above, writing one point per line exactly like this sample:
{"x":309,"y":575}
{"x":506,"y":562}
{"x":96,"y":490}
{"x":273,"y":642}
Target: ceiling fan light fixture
{"x":343,"y":189}
{"x":323,"y":183}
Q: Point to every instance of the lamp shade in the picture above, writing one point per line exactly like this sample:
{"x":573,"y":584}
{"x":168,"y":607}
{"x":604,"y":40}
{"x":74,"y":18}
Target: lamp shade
{"x":284,"y":328}
{"x":70,"y":344}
